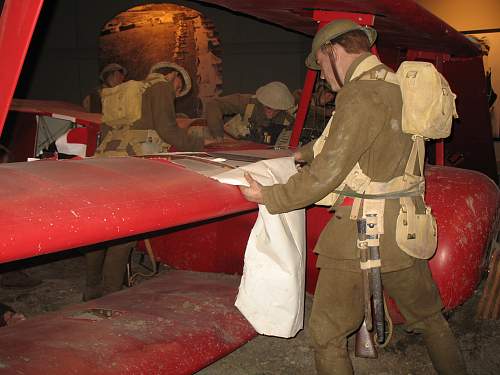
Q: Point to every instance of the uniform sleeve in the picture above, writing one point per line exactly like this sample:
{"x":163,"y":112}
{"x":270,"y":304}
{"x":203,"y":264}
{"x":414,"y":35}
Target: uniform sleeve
{"x":164,"y":122}
{"x":217,"y":108}
{"x":359,"y":119}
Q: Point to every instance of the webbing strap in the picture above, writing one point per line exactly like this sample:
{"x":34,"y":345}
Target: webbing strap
{"x":417,"y":151}
{"x":370,"y":263}
{"x":411,"y":191}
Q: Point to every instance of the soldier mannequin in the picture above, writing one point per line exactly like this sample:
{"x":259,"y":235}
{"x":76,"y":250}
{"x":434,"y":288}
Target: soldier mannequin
{"x":111,"y":75}
{"x":166,"y":81}
{"x":362,"y":131}
{"x":263,"y":115}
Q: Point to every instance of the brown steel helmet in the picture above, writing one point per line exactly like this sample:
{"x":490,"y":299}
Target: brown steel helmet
{"x":275,"y":95}
{"x":331,"y":31}
{"x":113,"y":67}
{"x":183,"y":72}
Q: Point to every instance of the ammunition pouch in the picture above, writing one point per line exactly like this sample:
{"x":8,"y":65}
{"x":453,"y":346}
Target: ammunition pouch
{"x":416,"y":228}
{"x":142,"y":142}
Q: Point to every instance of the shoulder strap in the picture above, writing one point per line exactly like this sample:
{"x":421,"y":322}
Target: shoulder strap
{"x":381,"y":74}
{"x":417,"y":154}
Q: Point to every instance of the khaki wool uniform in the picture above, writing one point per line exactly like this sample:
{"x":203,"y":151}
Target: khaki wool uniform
{"x":158,"y":113}
{"x":366,"y":128}
{"x":234,"y":104}
{"x":106,"y":267}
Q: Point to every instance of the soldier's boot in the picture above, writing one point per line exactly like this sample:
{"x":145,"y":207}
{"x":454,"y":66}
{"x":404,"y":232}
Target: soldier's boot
{"x":94,"y":261}
{"x":442,"y":346}
{"x":115,"y":265}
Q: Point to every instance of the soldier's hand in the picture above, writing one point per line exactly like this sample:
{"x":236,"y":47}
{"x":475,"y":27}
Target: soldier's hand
{"x":253,"y":192}
{"x":299,"y":160}
{"x":297,"y":155}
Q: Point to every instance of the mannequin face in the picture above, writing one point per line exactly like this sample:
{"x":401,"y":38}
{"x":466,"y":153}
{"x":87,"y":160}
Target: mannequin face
{"x":325,"y":97}
{"x":176,"y":80}
{"x":270,"y":112}
{"x":325,"y":62}
{"x":115,"y":78}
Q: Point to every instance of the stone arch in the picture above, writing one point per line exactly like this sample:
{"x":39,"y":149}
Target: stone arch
{"x":145,"y":34}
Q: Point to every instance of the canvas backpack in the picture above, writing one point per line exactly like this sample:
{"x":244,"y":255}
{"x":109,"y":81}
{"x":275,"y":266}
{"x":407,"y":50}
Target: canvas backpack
{"x":428,"y":102}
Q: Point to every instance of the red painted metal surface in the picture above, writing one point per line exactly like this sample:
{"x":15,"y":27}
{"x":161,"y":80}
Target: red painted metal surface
{"x":324,"y":17}
{"x":465,"y":206}
{"x":213,"y":246}
{"x":305,"y":98}
{"x":174,"y":324}
{"x":20,"y":133}
{"x":17,"y":23}
{"x":50,"y":206}
{"x":56,"y":109}
{"x":400,"y":23}
{"x":65,"y":111}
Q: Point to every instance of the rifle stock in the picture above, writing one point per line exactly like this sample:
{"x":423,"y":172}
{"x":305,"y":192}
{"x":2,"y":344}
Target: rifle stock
{"x":365,"y":346}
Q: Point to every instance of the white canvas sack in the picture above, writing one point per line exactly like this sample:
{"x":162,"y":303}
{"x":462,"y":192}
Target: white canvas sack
{"x":271,"y":292}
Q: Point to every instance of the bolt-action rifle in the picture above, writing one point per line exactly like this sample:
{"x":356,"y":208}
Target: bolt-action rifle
{"x":368,"y":244}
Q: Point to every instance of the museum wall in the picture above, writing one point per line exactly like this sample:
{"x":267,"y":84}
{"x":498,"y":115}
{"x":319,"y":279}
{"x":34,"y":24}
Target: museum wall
{"x":63,"y":59}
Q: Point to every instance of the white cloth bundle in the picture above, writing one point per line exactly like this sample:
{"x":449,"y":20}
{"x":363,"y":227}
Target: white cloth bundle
{"x":271,"y":293}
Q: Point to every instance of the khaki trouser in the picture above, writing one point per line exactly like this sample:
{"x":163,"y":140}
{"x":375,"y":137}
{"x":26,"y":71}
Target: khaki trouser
{"x":106,"y":270}
{"x":338,"y":312}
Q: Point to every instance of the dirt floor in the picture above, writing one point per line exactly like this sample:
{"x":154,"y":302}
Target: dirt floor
{"x":63,"y":277}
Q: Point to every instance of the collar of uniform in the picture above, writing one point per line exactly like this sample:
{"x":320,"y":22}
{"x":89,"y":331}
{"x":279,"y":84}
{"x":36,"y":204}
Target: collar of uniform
{"x":360,"y":65}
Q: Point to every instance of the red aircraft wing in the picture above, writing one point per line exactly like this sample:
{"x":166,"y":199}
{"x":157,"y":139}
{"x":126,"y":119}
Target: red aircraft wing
{"x":48,"y":206}
{"x":56,"y":109}
{"x":399,"y":23}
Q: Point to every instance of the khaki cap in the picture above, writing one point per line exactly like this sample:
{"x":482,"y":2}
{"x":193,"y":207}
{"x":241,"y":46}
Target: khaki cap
{"x":111,"y":68}
{"x":275,"y":95}
{"x":180,"y":69}
{"x":331,"y":31}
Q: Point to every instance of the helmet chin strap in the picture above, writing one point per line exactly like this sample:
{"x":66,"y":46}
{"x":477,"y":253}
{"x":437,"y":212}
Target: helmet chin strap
{"x":336,"y":72}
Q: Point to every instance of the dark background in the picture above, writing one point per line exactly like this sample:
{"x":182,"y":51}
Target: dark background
{"x":63,"y":58}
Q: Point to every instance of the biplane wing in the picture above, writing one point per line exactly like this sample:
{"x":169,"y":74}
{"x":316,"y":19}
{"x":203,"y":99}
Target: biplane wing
{"x":56,"y":109}
{"x":48,"y":206}
{"x":399,"y":23}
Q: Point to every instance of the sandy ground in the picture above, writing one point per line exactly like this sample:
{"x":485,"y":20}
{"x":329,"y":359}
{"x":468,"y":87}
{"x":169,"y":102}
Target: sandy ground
{"x":63,"y":277}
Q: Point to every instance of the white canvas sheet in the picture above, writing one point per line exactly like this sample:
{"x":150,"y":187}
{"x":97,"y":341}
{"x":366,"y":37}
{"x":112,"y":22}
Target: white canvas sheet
{"x":271,"y":293}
